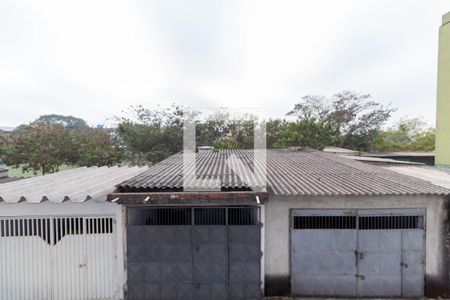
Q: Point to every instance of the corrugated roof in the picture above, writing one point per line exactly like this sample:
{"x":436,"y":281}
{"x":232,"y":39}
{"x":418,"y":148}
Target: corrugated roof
{"x":398,"y":154}
{"x":289,"y":172}
{"x":383,"y":160}
{"x":76,"y":185}
{"x":435,"y":175}
{"x":10,"y":179}
{"x":339,"y":150}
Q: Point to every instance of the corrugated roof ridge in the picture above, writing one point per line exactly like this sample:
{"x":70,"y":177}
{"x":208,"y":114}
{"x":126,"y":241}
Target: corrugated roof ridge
{"x":355,"y":184}
{"x":82,"y":186}
{"x":351,"y":163}
{"x":290,"y":172}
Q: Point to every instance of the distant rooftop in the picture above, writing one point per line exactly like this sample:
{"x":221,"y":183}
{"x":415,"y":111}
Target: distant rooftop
{"x":398,"y":154}
{"x":4,"y":175}
{"x":380,"y":160}
{"x":339,"y":150}
{"x":7,"y":129}
{"x":436,"y":175}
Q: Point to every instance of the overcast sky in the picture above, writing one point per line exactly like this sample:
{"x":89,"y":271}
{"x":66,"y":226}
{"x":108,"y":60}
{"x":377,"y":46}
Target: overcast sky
{"x":94,"y":58}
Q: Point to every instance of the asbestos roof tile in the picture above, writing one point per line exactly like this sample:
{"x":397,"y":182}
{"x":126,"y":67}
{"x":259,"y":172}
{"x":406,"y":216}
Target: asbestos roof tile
{"x":76,"y":185}
{"x":289,"y":172}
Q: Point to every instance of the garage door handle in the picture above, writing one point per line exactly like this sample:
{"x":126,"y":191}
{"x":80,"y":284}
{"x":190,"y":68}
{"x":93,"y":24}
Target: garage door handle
{"x":82,"y":265}
{"x":362,"y":277}
{"x":404,"y":265}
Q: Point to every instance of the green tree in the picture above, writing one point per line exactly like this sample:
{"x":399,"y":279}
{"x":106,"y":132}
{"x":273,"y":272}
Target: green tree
{"x":354,"y":118}
{"x":98,"y":147}
{"x":307,"y":132}
{"x":224,"y":130}
{"x":407,"y":135}
{"x":69,"y":122}
{"x":151,"y":135}
{"x":40,"y":147}
{"x":274,"y":129}
{"x":215,"y":130}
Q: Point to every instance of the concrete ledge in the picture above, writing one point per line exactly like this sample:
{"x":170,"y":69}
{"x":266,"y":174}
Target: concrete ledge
{"x":446,"y":18}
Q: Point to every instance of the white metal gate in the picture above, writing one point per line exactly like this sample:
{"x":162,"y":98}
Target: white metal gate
{"x":57,"y":258}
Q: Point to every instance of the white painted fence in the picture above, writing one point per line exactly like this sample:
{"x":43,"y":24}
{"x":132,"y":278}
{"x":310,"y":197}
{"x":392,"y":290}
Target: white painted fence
{"x":58,"y":258}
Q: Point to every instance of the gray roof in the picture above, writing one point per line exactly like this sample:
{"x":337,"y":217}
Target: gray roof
{"x":7,"y":128}
{"x":4,"y":175}
{"x":398,"y":154}
{"x":385,"y":161}
{"x":436,"y":175}
{"x":9,"y":179}
{"x":76,"y":185}
{"x":339,"y":150}
{"x":289,"y":172}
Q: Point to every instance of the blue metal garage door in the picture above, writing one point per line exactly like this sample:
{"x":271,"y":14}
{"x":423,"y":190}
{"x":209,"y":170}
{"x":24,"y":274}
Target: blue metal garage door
{"x":194,"y":253}
{"x":357,"y":253}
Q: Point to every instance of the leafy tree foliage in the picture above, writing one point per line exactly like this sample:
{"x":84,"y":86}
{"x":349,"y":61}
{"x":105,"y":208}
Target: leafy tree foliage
{"x":346,"y":119}
{"x":274,"y":129}
{"x":304,"y":133}
{"x":98,"y":147}
{"x":46,"y":147}
{"x":69,"y":122}
{"x":354,"y":118}
{"x":41,"y":147}
{"x":407,"y":135}
{"x":224,"y":131}
{"x":147,"y":135}
{"x":151,"y":135}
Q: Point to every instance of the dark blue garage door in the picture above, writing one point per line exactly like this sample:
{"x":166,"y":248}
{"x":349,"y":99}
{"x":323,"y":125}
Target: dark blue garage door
{"x":194,"y":253}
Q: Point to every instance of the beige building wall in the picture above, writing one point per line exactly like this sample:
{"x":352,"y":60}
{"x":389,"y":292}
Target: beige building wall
{"x":443,"y":95}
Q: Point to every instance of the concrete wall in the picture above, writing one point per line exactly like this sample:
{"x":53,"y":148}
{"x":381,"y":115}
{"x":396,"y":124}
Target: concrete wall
{"x":88,"y":208}
{"x":443,"y":95}
{"x":277,"y":235}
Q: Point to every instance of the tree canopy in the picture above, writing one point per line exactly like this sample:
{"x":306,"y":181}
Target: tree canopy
{"x":151,"y":135}
{"x":145,"y":136}
{"x":407,"y":135}
{"x":46,"y":147}
{"x":354,"y":118}
{"x":41,"y":147}
{"x":70,"y":122}
{"x":307,"y":132}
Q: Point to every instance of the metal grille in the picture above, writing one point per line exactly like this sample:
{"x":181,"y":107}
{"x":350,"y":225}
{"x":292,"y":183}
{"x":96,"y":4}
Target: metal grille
{"x":61,"y":227}
{"x":65,"y":226}
{"x":159,"y":216}
{"x":210,"y":216}
{"x":243,"y":216}
{"x":357,"y":222}
{"x":25,"y":227}
{"x":324,"y":222}
{"x":193,"y":216}
{"x":390,"y":222}
{"x":99,"y":225}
